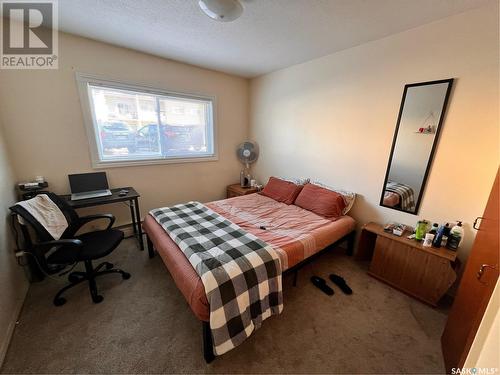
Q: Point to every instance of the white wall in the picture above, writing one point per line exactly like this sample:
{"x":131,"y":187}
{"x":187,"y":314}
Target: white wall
{"x":333,"y":118}
{"x":13,"y":284}
{"x":46,"y":136}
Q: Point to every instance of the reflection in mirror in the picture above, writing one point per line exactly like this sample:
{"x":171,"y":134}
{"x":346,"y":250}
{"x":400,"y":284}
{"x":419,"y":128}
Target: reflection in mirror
{"x":417,"y":130}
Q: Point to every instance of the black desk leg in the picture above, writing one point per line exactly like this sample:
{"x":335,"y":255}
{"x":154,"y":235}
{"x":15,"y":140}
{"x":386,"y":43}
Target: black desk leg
{"x":139,"y":226}
{"x":132,"y":215}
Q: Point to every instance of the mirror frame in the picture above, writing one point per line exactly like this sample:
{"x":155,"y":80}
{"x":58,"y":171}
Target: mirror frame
{"x":434,"y":144}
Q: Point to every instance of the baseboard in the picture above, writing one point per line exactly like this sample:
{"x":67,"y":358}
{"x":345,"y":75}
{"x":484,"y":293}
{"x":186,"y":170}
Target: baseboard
{"x":4,"y":345}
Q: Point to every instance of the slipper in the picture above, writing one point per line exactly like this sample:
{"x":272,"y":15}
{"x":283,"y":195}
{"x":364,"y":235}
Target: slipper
{"x":321,"y":284}
{"x":340,"y":282}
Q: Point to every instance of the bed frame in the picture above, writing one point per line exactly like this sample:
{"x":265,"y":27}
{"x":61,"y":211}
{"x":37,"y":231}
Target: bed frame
{"x":208,"y":352}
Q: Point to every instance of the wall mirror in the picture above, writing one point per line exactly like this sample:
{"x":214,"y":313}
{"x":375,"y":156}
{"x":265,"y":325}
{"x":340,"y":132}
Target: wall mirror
{"x":417,"y":130}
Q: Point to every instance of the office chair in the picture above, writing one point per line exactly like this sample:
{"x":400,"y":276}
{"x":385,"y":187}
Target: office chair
{"x":52,"y":256}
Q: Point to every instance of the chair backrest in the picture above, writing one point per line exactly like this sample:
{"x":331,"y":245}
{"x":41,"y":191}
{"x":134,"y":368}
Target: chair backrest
{"x":40,"y":231}
{"x":42,"y":235}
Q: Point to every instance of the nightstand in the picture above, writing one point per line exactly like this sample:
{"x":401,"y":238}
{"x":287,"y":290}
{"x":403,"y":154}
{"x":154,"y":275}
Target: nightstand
{"x":235,"y":190}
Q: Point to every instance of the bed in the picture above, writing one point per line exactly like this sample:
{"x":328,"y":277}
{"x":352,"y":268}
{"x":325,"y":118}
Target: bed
{"x":295,"y":234}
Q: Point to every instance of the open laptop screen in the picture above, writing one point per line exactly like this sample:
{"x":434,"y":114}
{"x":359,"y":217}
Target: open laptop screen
{"x":83,"y":182}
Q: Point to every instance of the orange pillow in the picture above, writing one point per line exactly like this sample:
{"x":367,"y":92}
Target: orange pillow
{"x":321,"y":201}
{"x":281,"y":191}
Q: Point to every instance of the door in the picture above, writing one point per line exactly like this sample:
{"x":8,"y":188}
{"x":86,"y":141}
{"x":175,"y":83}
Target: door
{"x":476,"y":287}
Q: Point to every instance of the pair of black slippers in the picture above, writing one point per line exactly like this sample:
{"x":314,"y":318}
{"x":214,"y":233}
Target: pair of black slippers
{"x":320,"y":283}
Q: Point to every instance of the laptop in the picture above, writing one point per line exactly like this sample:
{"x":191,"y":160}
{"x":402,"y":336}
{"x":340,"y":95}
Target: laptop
{"x":88,"y":185}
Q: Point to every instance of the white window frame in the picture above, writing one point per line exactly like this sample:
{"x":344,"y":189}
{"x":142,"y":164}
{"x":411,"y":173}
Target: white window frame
{"x":84,"y":80}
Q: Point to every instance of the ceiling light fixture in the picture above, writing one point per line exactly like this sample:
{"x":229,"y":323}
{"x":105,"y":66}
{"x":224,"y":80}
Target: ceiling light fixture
{"x":221,"y":10}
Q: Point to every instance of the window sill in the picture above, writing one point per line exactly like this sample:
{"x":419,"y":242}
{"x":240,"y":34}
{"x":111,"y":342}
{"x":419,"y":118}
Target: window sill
{"x":133,"y":163}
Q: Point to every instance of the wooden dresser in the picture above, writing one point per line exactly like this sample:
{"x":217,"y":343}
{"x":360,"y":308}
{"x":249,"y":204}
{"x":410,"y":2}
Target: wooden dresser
{"x":425,"y":273}
{"x":236,"y":190}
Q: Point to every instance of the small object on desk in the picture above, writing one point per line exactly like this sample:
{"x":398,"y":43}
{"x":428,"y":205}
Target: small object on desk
{"x":245,"y":178}
{"x":429,"y":237}
{"x":411,"y":236}
{"x":445,"y":235}
{"x":122,"y":193}
{"x":421,"y":229}
{"x":389,"y":227}
{"x":30,"y":186}
{"x":31,"y":189}
{"x":456,"y":237}
{"x":434,"y":228}
{"x":395,"y":228}
{"x":438,"y":238}
{"x":398,"y":230}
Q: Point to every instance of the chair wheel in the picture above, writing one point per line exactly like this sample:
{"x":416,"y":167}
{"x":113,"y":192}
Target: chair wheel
{"x":125,"y":276}
{"x":59,"y":301}
{"x":97,"y":299}
{"x":109,"y":266}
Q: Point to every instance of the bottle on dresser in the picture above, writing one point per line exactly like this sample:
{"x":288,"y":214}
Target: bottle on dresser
{"x":456,"y":236}
{"x":436,"y":242}
{"x":429,"y":237}
{"x":421,"y":229}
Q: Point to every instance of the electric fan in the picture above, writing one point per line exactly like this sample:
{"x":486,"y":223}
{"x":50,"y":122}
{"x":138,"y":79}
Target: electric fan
{"x":247,"y":153}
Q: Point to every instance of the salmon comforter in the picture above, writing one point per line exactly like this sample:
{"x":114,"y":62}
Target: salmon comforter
{"x":293,"y":232}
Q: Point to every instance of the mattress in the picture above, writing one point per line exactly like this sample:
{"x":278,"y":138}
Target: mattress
{"x":294,"y":233}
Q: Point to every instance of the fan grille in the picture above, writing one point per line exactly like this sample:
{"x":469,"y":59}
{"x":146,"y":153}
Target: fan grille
{"x":247,"y":152}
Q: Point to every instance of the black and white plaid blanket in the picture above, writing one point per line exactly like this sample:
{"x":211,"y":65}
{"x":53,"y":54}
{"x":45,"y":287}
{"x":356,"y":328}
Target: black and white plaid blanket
{"x":241,"y":273}
{"x":405,"y":192}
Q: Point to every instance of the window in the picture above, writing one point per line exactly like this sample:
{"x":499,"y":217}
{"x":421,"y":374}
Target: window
{"x":129,"y":124}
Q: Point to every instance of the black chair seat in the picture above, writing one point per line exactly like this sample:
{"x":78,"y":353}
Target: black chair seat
{"x":95,"y":245}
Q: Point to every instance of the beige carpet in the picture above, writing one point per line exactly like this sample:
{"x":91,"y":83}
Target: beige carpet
{"x":145,"y":326}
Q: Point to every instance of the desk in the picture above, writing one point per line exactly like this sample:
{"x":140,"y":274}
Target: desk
{"x":132,"y":197}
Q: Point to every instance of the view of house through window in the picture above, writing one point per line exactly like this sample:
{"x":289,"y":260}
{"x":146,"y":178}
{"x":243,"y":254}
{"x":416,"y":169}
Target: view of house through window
{"x":134,"y":125}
